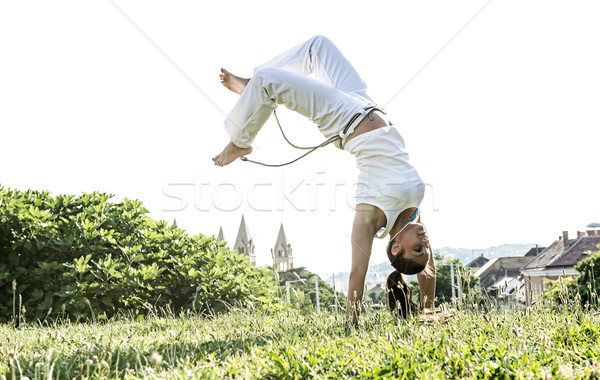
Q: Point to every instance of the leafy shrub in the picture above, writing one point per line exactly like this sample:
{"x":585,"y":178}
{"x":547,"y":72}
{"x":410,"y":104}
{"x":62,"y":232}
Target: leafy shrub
{"x":83,"y":256}
{"x":583,"y":288}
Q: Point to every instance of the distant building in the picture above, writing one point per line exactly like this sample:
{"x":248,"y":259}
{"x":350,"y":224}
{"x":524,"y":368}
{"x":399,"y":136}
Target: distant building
{"x":221,"y":237}
{"x":283,"y":259}
{"x":558,"y":260}
{"x":499,"y":269}
{"x":243,"y":243}
{"x":533,"y":252}
{"x":282,"y":252}
{"x":508,"y":288}
{"x":377,"y":288}
{"x":477,"y":263}
{"x":501,"y":277}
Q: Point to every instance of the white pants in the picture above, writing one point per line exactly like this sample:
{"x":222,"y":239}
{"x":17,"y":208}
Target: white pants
{"x":335,"y":100}
{"x":332,"y":100}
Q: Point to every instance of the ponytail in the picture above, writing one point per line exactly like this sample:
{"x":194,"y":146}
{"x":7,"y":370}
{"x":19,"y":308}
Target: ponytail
{"x":398,"y":296}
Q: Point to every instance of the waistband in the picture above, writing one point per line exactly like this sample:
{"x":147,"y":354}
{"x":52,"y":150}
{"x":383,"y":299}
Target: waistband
{"x":354,"y":121}
{"x":354,"y":144}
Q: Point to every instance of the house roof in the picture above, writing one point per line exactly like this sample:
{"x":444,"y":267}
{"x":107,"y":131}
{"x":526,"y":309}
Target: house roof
{"x":487,"y":267}
{"x":509,"y":287}
{"x":478,"y":262}
{"x":533,"y":252}
{"x":547,"y":256}
{"x":376,"y":288}
{"x":576,"y":252}
{"x":502,"y":263}
{"x":508,"y":284}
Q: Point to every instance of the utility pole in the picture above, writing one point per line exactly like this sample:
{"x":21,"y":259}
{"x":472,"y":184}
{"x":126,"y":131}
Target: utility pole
{"x":452,"y":281}
{"x":287,"y":286}
{"x":287,"y":289}
{"x":335,"y":302}
{"x":317,"y":292}
{"x":458,"y":283}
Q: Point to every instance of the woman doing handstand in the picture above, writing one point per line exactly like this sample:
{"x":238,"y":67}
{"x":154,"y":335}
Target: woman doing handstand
{"x":389,"y":190}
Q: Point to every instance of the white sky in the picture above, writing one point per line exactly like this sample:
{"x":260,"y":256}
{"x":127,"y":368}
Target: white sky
{"x":503,"y":123}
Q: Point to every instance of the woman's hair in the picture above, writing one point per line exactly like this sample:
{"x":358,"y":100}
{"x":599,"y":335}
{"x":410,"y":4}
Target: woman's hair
{"x":398,"y":296}
{"x":403,"y":265}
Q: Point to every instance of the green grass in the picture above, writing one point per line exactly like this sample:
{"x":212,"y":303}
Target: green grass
{"x":533,"y":343}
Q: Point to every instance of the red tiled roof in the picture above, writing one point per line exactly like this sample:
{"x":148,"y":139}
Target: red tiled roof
{"x":576,"y":252}
{"x":547,"y":256}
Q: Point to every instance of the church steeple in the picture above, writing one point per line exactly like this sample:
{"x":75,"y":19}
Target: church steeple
{"x":243,"y":243}
{"x":282,"y":252}
{"x":221,"y":236}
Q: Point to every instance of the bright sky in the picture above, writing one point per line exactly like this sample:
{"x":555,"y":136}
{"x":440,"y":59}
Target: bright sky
{"x":498,"y":102}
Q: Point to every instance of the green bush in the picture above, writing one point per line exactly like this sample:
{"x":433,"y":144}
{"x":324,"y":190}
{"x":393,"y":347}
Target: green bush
{"x":583,"y":288}
{"x":83,"y":256}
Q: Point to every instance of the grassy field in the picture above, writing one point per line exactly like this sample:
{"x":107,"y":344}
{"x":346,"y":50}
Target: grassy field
{"x":534,"y":343}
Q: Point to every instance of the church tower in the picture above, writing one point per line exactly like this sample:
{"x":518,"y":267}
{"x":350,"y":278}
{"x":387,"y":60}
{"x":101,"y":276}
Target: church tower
{"x":282,"y":252}
{"x":243,"y":243}
{"x":221,"y":236}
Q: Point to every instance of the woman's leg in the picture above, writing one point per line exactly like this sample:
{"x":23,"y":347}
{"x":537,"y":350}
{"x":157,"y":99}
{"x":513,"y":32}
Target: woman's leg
{"x":367,"y":221}
{"x":320,"y":57}
{"x":331,"y":101}
{"x":325,"y":105}
{"x":232,"y":152}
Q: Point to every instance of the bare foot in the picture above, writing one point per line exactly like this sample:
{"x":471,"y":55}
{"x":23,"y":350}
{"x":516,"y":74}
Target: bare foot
{"x":233,"y":82}
{"x":230,"y":153}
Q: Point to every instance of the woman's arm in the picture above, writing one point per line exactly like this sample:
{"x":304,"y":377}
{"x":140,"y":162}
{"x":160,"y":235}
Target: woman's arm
{"x":356,"y":288}
{"x":426,"y":281}
{"x":367,"y":221}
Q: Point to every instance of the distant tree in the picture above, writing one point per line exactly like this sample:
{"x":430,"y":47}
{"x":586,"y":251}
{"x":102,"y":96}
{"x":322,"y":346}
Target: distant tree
{"x":583,"y":288}
{"x":304,"y":294}
{"x":443,"y":282}
{"x":376,"y":297}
